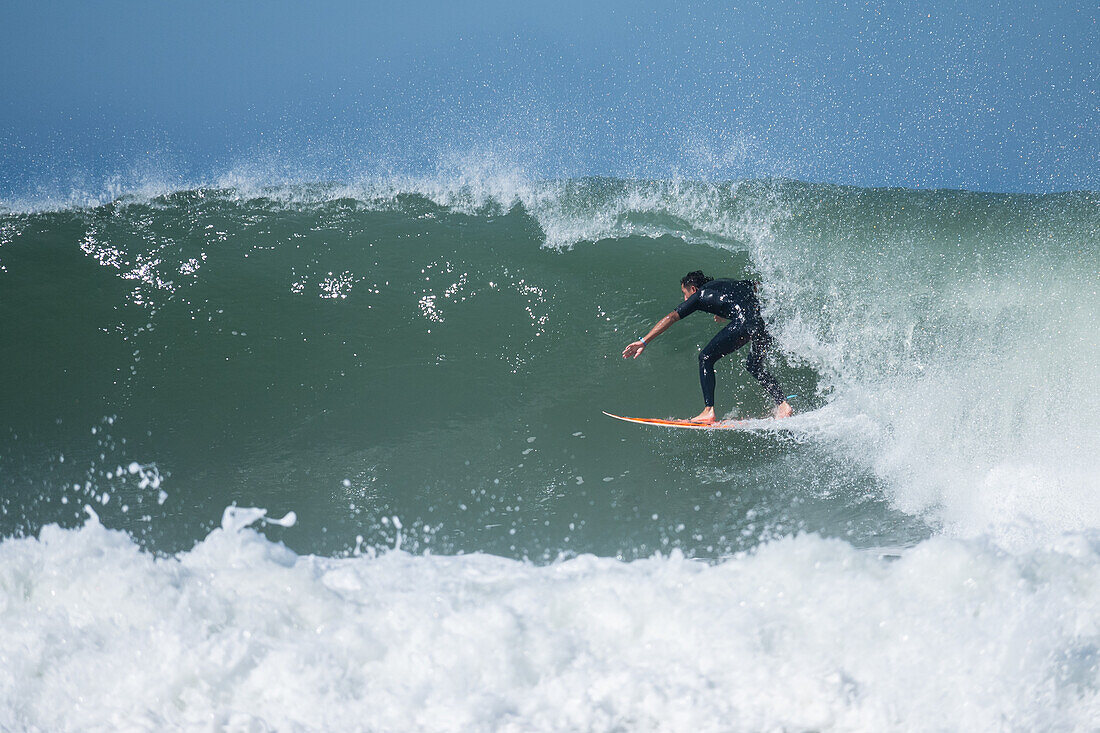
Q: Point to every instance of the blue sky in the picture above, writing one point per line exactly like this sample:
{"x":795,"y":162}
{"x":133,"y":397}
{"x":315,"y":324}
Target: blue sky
{"x":993,"y":96}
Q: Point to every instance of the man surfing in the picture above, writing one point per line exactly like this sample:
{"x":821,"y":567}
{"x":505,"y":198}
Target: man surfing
{"x":734,"y":301}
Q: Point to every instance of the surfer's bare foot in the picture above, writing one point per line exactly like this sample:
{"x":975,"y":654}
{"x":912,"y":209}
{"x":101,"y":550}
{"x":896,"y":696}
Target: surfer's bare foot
{"x":782,"y":410}
{"x":706,"y":416}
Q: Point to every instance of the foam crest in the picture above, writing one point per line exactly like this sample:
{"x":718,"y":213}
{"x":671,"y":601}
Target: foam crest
{"x":568,"y":210}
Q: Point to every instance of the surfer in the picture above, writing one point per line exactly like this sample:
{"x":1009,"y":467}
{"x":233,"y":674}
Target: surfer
{"x":734,"y":301}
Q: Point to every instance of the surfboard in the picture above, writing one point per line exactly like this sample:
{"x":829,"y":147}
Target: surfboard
{"x":720,"y":425}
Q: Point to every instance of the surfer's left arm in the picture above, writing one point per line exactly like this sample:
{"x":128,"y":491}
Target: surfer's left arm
{"x":634,"y":349}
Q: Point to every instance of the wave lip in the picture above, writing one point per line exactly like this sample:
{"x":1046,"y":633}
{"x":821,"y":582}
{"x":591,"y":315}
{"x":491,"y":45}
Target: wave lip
{"x":804,"y":633}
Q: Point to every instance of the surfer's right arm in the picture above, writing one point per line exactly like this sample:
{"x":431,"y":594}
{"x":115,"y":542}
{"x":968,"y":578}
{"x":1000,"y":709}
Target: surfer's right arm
{"x":635,"y":348}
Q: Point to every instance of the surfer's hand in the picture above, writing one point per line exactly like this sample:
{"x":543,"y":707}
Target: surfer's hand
{"x":633,"y":349}
{"x":783,"y":410}
{"x":718,"y":319}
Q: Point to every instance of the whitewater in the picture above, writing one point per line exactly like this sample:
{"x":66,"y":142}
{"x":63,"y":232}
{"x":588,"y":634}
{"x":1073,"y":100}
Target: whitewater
{"x":410,"y":371}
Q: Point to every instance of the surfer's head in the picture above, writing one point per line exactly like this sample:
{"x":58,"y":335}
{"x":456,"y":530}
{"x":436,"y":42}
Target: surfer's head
{"x":692,"y":281}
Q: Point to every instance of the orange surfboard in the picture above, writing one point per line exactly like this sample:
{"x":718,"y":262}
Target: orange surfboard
{"x":720,"y":425}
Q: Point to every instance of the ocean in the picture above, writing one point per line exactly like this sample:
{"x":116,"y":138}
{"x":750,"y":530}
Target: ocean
{"x":331,"y":456}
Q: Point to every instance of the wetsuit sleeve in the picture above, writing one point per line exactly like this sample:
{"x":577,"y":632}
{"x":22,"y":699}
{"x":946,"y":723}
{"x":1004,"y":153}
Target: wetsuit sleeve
{"x":689,"y":306}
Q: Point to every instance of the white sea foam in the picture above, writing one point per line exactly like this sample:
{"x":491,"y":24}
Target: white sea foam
{"x":965,"y":357}
{"x":240,"y":633}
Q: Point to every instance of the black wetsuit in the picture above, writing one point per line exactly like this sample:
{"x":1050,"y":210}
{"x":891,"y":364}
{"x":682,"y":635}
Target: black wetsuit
{"x":735,"y":300}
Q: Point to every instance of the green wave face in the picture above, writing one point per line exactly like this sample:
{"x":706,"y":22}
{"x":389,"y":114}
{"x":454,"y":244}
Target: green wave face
{"x":442,"y":353}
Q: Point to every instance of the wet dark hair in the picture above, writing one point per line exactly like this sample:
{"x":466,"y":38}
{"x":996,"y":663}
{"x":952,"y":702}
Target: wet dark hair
{"x":695,"y":279}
